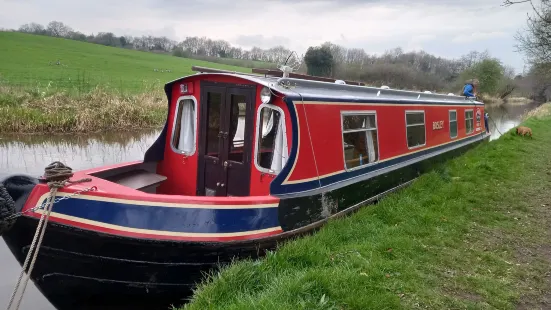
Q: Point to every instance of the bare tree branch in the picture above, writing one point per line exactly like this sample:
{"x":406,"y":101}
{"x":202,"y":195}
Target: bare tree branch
{"x":509,"y":2}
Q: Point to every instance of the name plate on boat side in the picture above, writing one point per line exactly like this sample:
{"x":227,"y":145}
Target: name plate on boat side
{"x":437,"y":125}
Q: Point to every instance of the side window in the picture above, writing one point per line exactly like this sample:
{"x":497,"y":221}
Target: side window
{"x":271,"y":145}
{"x":359,"y":135}
{"x":469,"y":122}
{"x":415,"y":128}
{"x":183,"y":136}
{"x":453,"y":124}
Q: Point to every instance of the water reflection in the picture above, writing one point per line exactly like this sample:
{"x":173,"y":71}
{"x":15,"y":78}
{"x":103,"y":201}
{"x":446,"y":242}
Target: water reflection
{"x":30,"y":154}
{"x":506,"y":116}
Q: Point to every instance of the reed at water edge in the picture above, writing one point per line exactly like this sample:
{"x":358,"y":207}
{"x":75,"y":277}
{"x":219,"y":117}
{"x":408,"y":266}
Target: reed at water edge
{"x":471,"y":234}
{"x":40,"y":110}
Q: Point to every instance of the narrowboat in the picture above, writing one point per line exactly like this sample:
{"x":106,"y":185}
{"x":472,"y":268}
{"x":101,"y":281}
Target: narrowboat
{"x":243,"y":162}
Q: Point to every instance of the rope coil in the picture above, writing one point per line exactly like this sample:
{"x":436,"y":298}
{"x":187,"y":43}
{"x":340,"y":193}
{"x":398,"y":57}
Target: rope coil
{"x":7,"y":210}
{"x":57,"y":176}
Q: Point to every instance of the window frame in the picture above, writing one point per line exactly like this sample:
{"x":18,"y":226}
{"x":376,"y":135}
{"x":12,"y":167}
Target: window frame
{"x":177,"y":107}
{"x":472,"y":120}
{"x":450,"y":124}
{"x":257,"y":135}
{"x":424,"y":124}
{"x":359,"y":112}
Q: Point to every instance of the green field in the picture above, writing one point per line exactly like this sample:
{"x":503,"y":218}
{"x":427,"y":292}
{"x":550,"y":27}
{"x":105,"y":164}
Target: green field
{"x":30,"y":61}
{"x":472,"y":234}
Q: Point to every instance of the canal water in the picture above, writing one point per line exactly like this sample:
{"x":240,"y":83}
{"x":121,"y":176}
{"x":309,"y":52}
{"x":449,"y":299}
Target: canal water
{"x":29,"y":154}
{"x":506,"y":116}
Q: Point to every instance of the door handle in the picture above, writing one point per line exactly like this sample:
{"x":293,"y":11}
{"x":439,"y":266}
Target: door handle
{"x":226,"y":164}
{"x":223,"y":134}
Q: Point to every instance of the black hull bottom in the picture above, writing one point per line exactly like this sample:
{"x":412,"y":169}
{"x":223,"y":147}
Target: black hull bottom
{"x":80,"y":269}
{"x":295,"y":213}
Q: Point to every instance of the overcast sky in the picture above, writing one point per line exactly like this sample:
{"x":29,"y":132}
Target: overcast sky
{"x":446,"y":28}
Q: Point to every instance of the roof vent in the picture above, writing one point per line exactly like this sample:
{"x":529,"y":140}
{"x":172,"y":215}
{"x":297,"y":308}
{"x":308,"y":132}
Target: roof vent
{"x":427,"y":92}
{"x":451,"y":94}
{"x":340,"y":82}
{"x":385,"y":87}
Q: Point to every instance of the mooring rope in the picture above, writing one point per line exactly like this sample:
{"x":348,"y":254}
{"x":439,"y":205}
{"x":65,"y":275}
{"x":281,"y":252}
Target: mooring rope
{"x":495,"y":126}
{"x":57,"y":175}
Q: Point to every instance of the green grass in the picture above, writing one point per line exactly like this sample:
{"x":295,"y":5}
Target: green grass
{"x":95,"y":88}
{"x":29,"y":61}
{"x":43,"y":111}
{"x":472,"y":234}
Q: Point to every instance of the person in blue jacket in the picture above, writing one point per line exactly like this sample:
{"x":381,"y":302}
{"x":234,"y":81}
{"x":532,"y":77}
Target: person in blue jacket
{"x":469,"y":90}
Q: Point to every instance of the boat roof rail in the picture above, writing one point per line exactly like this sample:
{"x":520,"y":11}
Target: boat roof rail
{"x":311,"y":86}
{"x":278,"y":73}
{"x":212,"y":70}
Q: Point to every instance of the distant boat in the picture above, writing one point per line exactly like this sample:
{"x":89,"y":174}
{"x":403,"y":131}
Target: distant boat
{"x":243,"y":162}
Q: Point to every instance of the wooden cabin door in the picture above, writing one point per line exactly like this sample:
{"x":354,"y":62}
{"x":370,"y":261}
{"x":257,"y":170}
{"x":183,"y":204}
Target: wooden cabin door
{"x":225,"y":140}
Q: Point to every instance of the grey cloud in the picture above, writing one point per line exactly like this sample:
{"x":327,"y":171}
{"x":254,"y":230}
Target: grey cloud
{"x":209,"y":8}
{"x":179,"y":18}
{"x":261,"y":41}
{"x":194,"y":9}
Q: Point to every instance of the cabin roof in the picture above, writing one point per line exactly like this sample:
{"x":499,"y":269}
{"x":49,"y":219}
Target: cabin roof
{"x":312,"y":90}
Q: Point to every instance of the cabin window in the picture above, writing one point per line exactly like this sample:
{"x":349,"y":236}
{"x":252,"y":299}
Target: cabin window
{"x":359,"y":135}
{"x":469,"y":122}
{"x":271,"y":147}
{"x":415,"y":128}
{"x":183,"y":136}
{"x":453,"y":124}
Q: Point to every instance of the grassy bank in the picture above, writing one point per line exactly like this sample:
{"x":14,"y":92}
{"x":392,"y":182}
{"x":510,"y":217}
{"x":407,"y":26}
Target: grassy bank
{"x":93,"y":87}
{"x":31,"y":61}
{"x":512,"y":101}
{"x":473,"y":234}
{"x":40,"y":110}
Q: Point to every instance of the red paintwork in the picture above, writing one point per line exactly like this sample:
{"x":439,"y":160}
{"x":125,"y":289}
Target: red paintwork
{"x":112,"y":190}
{"x":181,"y":171}
{"x":326,"y":136}
{"x":260,"y":182}
{"x":320,"y":153}
{"x":104,"y":188}
{"x":305,"y":162}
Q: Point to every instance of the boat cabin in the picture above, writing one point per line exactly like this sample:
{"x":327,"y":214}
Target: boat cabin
{"x":236,"y":134}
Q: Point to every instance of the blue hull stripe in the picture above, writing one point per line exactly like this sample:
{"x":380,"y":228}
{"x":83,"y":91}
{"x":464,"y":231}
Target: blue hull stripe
{"x":182,"y":220}
{"x":280,"y":189}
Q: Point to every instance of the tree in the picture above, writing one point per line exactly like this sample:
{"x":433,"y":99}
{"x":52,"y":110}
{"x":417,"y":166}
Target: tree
{"x":539,"y":79}
{"x":535,"y":42}
{"x":178,"y":51}
{"x":32,"y":28}
{"x":319,"y":61}
{"x":58,"y":29}
{"x":106,"y":38}
{"x":489,"y":72}
{"x":77,"y":36}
